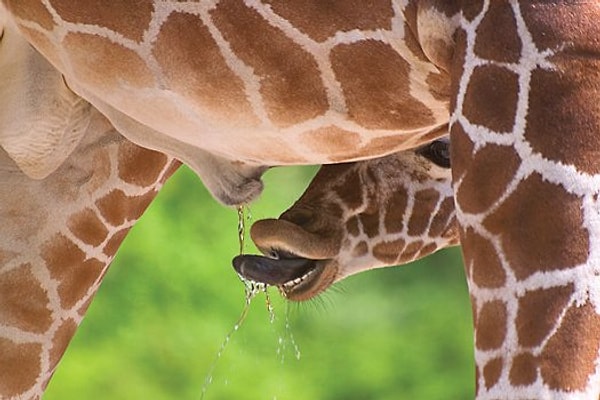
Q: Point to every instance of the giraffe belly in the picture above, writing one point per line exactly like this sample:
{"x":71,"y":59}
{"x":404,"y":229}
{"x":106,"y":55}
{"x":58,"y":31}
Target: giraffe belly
{"x":271,"y":90}
{"x":381,"y":118}
{"x":329,"y":139}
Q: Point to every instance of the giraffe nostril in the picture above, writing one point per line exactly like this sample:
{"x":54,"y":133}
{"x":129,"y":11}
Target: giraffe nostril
{"x":274,"y":254}
{"x":300,"y":217}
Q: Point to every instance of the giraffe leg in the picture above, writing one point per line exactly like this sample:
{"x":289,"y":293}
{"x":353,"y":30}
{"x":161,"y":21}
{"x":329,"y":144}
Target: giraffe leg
{"x":41,"y":120}
{"x":525,"y":148}
{"x":230,"y":182}
{"x":58,"y":236}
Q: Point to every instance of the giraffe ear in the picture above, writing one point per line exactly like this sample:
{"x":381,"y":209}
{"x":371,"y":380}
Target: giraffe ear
{"x":286,"y":236}
{"x":41,"y":119}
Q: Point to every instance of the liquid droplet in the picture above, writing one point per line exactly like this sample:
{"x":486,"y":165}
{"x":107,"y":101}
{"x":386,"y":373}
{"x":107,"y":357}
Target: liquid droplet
{"x":241,"y":226}
{"x":209,"y":375}
{"x":290,"y":334}
{"x":269,"y":305}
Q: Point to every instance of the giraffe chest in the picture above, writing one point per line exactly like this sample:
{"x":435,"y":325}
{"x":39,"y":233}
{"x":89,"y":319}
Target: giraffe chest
{"x":271,"y":82}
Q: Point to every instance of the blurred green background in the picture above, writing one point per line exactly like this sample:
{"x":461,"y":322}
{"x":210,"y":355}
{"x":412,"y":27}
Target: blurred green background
{"x":171,"y":297}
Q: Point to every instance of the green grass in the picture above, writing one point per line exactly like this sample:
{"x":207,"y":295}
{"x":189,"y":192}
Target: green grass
{"x":171,"y":296}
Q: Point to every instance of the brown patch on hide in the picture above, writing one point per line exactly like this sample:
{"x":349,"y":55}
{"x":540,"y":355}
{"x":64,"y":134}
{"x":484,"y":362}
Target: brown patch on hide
{"x":117,"y":208}
{"x":139,"y":166}
{"x":410,"y":252}
{"x":491,"y":98}
{"x":538,"y":313}
{"x":481,"y":258}
{"x":444,"y":219}
{"x":540,"y":226}
{"x":290,"y":80}
{"x":114,"y":242}
{"x":396,"y":207}
{"x":568,"y":360}
{"x":352,"y":226}
{"x":61,"y":340}
{"x":16,"y":380}
{"x":492,"y":371}
{"x":497,"y":37}
{"x":360,"y":249}
{"x":86,"y":226}
{"x":461,"y":151}
{"x":564,"y":114}
{"x":370,"y":224}
{"x":388,"y":252}
{"x":97,"y":61}
{"x":490,"y":331}
{"x":333,"y":142}
{"x":182,"y":48}
{"x":31,"y":10}
{"x":375,"y":81}
{"x":69,"y":265}
{"x":484,"y":183}
{"x":128,"y":19}
{"x":24,"y":303}
{"x":425,"y":202}
{"x":472,"y":9}
{"x":322,"y":19}
{"x":349,"y":189}
{"x":524,"y":370}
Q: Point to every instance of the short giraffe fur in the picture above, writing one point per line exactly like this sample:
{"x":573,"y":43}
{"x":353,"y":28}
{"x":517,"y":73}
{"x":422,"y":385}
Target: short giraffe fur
{"x":50,"y":133}
{"x":516,"y":80}
{"x":65,"y":206}
{"x":354,"y":217}
{"x":355,"y":85}
{"x":526,"y":183}
{"x":59,"y":235}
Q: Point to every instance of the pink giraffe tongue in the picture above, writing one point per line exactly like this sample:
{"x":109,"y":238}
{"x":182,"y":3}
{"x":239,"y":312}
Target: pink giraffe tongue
{"x":271,"y":271}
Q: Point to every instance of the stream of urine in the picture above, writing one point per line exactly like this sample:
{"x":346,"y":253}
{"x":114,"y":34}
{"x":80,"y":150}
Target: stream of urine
{"x":252,"y":289}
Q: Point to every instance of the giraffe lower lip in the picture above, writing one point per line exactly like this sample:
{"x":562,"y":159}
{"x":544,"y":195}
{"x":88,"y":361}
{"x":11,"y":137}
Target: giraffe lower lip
{"x":299,"y":288}
{"x":276,"y":272}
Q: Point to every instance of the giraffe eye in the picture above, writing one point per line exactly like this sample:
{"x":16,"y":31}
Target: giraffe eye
{"x":438,"y":152}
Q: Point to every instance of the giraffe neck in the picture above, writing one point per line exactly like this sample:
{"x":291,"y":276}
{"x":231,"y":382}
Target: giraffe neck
{"x":525,"y":164}
{"x":58,"y":237}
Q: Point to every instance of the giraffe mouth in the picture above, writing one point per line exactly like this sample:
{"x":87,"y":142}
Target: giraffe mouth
{"x":296,"y":278}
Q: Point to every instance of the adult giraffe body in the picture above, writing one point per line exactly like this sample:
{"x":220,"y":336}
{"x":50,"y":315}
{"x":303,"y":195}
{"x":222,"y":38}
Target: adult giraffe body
{"x":231,"y":86}
{"x":319,"y":82}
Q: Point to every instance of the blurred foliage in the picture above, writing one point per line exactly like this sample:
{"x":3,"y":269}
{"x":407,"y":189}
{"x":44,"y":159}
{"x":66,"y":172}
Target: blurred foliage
{"x":171,"y":297}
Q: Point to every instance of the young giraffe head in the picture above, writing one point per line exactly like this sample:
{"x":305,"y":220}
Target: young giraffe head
{"x":354,"y":217}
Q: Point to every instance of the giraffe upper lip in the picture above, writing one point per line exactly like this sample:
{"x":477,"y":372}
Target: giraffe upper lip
{"x":276,"y":272}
